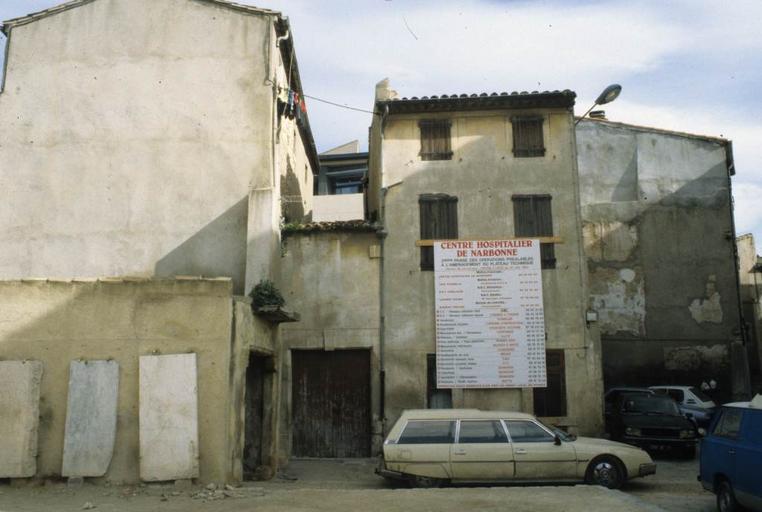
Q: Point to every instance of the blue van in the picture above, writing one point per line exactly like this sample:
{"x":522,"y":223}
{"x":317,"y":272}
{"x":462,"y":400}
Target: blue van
{"x":731,"y":456}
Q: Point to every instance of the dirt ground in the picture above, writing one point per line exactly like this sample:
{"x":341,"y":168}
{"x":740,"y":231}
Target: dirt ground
{"x":350,"y":485}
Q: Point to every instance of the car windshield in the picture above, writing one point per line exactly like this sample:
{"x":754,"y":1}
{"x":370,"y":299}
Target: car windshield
{"x":560,"y":433}
{"x":701,"y":395}
{"x":650,"y":404}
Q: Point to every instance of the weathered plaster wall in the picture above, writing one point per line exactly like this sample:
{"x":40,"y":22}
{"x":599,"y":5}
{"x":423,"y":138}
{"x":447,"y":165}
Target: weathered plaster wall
{"x":750,"y":280}
{"x":57,"y":322}
{"x":130,"y":134}
{"x":332,"y":280}
{"x":658,"y":235}
{"x":483,"y":174}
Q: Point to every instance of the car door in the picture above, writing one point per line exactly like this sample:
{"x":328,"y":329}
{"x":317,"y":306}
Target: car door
{"x":718,"y":450}
{"x":536,"y":454}
{"x":482,"y":452}
{"x":748,"y":456}
{"x":423,"y":448}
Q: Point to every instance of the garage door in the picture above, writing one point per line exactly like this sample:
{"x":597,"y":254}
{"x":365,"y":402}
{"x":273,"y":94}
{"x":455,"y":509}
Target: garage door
{"x":331,"y":403}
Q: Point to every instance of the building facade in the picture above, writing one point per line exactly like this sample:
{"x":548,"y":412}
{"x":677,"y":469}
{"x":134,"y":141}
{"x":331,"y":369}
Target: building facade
{"x":481,"y":167}
{"x":659,"y":237}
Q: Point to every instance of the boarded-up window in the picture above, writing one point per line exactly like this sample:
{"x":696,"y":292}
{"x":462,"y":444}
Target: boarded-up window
{"x":439,"y":221}
{"x":527,"y":136}
{"x":533,"y":218}
{"x":435,"y":139}
{"x":551,"y":401}
{"x":435,"y":398}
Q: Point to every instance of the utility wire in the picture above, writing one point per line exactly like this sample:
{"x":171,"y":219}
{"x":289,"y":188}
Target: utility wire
{"x":338,"y":104}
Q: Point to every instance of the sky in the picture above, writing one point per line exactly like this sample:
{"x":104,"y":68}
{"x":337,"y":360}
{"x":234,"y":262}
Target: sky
{"x":686,"y":65}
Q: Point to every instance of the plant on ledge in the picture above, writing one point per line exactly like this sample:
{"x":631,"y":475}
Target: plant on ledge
{"x":266,"y":294}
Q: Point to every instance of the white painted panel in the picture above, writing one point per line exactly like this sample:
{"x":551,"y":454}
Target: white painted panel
{"x":19,"y":417}
{"x":168,"y":417}
{"x":340,"y":207}
{"x":90,"y":418}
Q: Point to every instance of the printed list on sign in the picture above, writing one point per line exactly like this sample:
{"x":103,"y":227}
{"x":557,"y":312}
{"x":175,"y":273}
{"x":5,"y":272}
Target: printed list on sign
{"x":490,"y":325}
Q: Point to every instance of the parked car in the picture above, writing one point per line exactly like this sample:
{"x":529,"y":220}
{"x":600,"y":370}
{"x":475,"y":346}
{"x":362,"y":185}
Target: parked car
{"x":700,"y":415}
{"x":612,"y":396}
{"x":731,"y":456}
{"x":692,"y":402}
{"x":652,"y":421}
{"x":430,"y":447}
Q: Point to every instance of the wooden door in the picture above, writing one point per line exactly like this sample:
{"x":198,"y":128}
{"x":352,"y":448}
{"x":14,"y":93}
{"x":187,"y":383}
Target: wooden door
{"x":331,"y":403}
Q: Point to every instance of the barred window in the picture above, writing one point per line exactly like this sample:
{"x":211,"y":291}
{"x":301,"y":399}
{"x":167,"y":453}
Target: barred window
{"x":532,"y":218}
{"x":435,"y":139}
{"x":527,"y":137}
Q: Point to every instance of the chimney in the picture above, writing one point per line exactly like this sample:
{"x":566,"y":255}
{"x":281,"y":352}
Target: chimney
{"x":384,"y":91}
{"x":598,"y":114}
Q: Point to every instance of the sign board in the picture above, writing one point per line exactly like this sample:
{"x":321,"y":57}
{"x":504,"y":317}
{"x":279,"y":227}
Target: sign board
{"x":490,"y":325}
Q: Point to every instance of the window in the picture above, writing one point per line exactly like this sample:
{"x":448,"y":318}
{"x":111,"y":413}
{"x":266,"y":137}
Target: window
{"x":481,"y":432}
{"x":528,"y":432}
{"x":428,"y":432}
{"x":730,"y":423}
{"x":532,"y":218}
{"x":527,"y":137}
{"x":551,"y":400}
{"x":439,"y":221}
{"x":435,"y":139}
{"x":435,"y":398}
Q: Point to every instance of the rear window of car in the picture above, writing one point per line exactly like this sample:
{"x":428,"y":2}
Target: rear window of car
{"x":701,"y":395}
{"x":729,"y":424}
{"x":428,"y":432}
{"x":482,"y":432}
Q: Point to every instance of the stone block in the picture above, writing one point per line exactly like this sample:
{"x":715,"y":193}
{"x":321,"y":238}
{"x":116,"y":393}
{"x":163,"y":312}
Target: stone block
{"x":19,"y":417}
{"x":168,"y":417}
{"x":90,"y":418}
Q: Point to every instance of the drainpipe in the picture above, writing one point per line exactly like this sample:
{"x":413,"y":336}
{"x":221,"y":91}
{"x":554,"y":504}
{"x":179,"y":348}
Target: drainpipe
{"x":382,"y":233}
{"x":740,"y":383}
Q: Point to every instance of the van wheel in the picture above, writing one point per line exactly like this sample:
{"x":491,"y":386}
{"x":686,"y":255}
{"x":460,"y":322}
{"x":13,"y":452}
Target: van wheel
{"x":726,"y":498}
{"x":426,"y":482}
{"x":605,"y":471}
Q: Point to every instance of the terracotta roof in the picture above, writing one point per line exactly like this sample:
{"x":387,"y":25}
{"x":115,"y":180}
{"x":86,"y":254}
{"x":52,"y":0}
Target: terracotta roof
{"x":482,"y":101}
{"x":29,"y":18}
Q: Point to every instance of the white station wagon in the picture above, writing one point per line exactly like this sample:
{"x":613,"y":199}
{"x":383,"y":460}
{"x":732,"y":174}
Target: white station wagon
{"x":430,"y":447}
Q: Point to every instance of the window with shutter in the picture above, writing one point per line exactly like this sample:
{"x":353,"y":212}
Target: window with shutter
{"x":551,"y":400}
{"x":439,"y":221}
{"x":532,"y":217}
{"x":435,"y":139}
{"x":527,"y":137}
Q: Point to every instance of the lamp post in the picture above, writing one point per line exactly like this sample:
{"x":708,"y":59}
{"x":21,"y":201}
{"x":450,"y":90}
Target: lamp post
{"x":608,"y":95}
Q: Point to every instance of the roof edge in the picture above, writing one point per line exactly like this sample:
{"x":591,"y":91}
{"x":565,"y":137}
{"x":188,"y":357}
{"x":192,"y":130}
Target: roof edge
{"x":483,"y":101}
{"x":643,"y":128}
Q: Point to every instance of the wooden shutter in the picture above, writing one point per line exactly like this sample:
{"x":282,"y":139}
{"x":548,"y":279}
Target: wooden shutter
{"x":435,"y":139}
{"x":533,"y":216}
{"x":439,"y":221}
{"x":551,"y":400}
{"x":527,"y":136}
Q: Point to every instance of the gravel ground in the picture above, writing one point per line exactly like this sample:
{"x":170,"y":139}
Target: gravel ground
{"x":350,"y":485}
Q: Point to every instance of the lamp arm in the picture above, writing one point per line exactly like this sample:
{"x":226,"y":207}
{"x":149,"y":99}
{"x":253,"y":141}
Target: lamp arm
{"x":585,"y":114}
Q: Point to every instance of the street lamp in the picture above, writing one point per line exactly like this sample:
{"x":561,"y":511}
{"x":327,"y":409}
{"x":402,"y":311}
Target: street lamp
{"x":608,"y":95}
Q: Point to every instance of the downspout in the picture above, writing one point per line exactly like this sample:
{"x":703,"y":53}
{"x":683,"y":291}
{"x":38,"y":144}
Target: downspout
{"x":382,"y":233}
{"x":730,"y":164}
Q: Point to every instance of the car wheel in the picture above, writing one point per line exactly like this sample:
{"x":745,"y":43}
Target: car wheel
{"x":426,"y":482}
{"x":726,"y":498}
{"x":605,"y":471}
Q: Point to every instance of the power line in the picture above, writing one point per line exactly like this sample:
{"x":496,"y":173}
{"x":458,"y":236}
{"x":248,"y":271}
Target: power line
{"x":338,"y":104}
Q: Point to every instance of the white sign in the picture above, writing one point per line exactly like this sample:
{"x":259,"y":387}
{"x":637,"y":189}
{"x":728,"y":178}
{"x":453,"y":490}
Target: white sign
{"x":489,"y":314}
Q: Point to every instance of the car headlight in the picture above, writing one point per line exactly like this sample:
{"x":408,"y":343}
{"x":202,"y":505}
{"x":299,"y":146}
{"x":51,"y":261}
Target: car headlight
{"x":632,"y":431}
{"x":685,"y":434}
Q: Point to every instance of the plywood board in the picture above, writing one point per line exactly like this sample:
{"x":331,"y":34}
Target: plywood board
{"x":19,"y":417}
{"x":90,"y":418}
{"x":168,"y":417}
